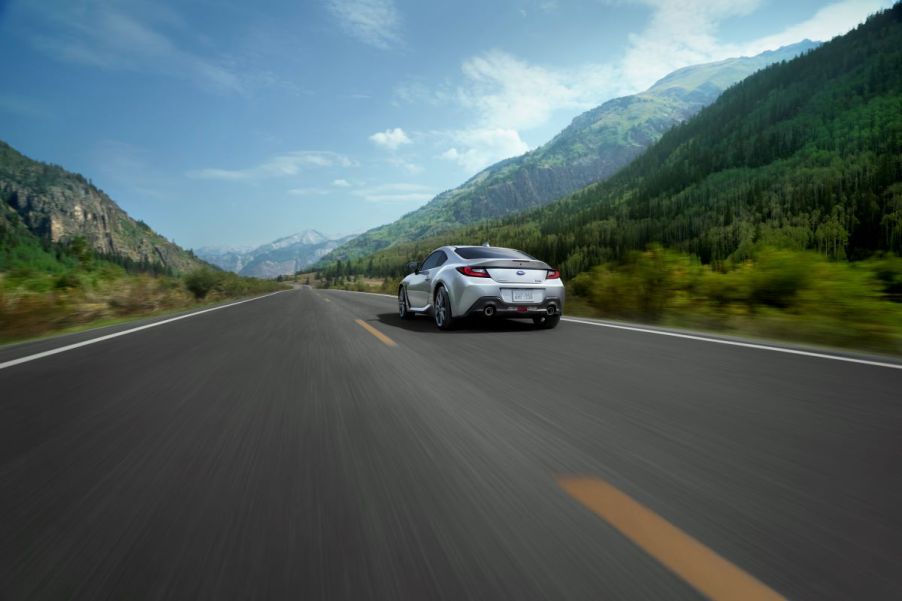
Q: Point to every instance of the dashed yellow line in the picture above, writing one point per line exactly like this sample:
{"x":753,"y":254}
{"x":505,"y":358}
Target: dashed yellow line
{"x":708,"y":572}
{"x":382,"y":337}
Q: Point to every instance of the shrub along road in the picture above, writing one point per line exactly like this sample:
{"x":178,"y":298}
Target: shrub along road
{"x":311,"y":445}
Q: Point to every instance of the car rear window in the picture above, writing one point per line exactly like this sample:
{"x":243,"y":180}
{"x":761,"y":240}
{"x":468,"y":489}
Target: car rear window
{"x":488,"y":252}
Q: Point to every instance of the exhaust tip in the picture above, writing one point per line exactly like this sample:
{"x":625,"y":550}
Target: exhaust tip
{"x":489,"y":310}
{"x":551,"y":310}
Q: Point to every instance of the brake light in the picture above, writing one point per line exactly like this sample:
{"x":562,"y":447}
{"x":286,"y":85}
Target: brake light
{"x":553,"y":274}
{"x":473,"y":272}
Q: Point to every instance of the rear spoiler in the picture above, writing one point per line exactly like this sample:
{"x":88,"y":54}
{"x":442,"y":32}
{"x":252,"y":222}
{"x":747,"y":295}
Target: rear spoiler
{"x":512,"y":264}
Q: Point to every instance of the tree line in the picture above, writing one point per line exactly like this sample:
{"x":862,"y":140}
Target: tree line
{"x":803,"y":155}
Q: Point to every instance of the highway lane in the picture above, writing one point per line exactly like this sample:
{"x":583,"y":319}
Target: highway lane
{"x":280,"y":449}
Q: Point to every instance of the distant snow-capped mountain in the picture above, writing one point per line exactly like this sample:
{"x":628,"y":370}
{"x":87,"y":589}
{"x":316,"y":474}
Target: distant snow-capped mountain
{"x":284,"y":256}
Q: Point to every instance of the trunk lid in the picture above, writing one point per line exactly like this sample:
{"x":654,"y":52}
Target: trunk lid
{"x":515,"y":271}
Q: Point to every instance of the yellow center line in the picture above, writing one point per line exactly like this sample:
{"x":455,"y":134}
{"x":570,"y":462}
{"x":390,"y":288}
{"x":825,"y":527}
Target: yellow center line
{"x":708,"y":572}
{"x":382,"y":337}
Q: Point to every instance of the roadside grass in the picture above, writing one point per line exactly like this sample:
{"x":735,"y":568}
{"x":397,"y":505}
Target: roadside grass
{"x":36,"y":303}
{"x":115,"y":321}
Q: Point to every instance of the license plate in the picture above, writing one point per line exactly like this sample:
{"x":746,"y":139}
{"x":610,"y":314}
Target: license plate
{"x":520,"y":296}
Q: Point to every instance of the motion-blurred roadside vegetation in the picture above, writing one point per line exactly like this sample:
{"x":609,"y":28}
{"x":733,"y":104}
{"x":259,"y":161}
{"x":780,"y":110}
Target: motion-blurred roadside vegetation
{"x":772,"y":293}
{"x":49,"y":288}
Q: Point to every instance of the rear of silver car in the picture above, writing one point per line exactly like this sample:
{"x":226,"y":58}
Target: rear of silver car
{"x":508,"y":289}
{"x":461,"y":281}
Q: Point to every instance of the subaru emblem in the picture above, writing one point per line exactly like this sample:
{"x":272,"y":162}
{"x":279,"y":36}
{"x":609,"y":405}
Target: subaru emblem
{"x":521,"y":272}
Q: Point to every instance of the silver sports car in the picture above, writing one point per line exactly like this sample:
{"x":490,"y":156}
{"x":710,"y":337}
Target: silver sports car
{"x":459,"y":281}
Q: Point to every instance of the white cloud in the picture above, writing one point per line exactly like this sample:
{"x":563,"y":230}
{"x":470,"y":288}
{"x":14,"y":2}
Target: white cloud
{"x":405,"y":165}
{"x":498,"y":90}
{"x":506,"y":92}
{"x":830,"y":21}
{"x":398,"y":198}
{"x":309,"y":192}
{"x":415,"y":92}
{"x":395,"y":193}
{"x":129,"y":167}
{"x":106,"y":35}
{"x":373,"y":22}
{"x":341,"y":183}
{"x":282,"y":165}
{"x":678,"y":35}
{"x":24,"y":106}
{"x":476,"y":149}
{"x":223,"y":174}
{"x":684,"y":33}
{"x":504,"y":95}
{"x":390,"y":138}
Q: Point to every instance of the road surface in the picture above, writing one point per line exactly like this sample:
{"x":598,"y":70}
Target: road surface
{"x":311,"y":445}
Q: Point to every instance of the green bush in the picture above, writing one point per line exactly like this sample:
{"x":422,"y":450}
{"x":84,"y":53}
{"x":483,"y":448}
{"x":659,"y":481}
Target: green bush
{"x":777,"y":277}
{"x":45,"y":290}
{"x":67,"y":281}
{"x":202,"y":281}
{"x":642,"y":287}
{"x":799,"y":295}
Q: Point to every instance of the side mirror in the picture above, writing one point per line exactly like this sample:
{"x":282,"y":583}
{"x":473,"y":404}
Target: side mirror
{"x":413,"y":266}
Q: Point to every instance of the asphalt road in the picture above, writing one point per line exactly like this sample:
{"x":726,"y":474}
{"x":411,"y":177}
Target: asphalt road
{"x":279,"y":449}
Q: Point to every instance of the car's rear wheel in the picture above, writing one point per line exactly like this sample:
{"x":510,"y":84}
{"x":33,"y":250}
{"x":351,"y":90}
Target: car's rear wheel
{"x":547,"y":322}
{"x":403,"y":307}
{"x":441,"y":310}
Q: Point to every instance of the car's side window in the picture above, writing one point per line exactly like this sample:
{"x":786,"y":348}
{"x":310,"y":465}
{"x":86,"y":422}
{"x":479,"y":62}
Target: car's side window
{"x":434,"y":260}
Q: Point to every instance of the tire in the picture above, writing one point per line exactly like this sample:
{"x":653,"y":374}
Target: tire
{"x":547,"y":322}
{"x":441,"y":310}
{"x":403,"y":306}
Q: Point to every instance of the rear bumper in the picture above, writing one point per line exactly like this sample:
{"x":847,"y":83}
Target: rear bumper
{"x":503,"y":309}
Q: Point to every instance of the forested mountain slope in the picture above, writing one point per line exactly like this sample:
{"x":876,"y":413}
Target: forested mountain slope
{"x":593,"y":147}
{"x":802,"y":155}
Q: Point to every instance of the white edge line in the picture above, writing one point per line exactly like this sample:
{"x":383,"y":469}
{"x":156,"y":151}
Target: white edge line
{"x":76,"y":345}
{"x":763,"y":347}
{"x":359,"y":292}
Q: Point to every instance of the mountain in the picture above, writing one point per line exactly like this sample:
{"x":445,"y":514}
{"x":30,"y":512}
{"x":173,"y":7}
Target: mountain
{"x":805,"y":154}
{"x":594,"y":146}
{"x":229,"y":258}
{"x":59,"y":207}
{"x":284,"y":256}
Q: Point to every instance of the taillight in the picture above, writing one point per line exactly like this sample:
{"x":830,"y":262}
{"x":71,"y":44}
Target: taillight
{"x":553,"y":274}
{"x":473,"y":272}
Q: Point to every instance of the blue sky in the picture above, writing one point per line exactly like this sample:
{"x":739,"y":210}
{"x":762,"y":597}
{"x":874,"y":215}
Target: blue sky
{"x":234,"y":123}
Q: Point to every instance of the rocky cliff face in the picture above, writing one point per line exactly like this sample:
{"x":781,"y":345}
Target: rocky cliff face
{"x":59,"y":206}
{"x":592,"y":148}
